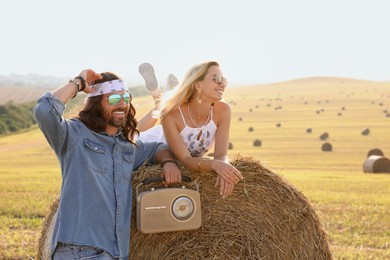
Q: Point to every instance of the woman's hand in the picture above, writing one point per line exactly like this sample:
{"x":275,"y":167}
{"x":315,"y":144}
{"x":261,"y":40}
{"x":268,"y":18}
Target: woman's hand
{"x":226,"y":171}
{"x":228,"y":175}
{"x":171,"y":173}
{"x":225,"y":188}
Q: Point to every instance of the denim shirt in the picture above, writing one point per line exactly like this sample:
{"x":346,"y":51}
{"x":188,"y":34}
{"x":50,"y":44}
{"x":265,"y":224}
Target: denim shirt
{"x":96,"y":191}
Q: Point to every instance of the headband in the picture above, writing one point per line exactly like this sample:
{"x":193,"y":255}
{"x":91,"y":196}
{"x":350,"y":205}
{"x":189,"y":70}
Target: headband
{"x":108,"y":87}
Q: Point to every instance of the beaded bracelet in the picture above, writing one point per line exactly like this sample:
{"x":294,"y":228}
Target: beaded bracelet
{"x":83,"y":83}
{"x":169,"y":160}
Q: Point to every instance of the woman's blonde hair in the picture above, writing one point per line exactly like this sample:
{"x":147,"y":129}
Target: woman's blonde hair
{"x":186,"y":90}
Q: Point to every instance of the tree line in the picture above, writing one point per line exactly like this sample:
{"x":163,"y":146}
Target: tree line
{"x":15,"y":117}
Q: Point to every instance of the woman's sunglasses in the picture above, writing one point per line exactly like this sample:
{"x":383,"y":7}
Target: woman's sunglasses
{"x":220,"y":79}
{"x":116,"y":98}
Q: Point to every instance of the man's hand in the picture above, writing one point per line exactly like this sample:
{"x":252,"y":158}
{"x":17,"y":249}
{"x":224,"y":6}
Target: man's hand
{"x":171,"y":173}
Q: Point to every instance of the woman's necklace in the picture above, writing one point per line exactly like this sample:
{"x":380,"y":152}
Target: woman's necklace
{"x":192,"y":120}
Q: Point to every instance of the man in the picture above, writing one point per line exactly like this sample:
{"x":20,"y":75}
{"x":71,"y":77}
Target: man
{"x":97,"y":154}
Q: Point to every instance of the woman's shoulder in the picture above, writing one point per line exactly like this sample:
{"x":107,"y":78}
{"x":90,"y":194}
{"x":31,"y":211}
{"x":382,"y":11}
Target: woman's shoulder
{"x":221,"y":106}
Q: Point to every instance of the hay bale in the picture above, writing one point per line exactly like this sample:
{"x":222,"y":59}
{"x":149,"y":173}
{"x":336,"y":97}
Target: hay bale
{"x":230,"y":146}
{"x":365,"y":131}
{"x":264,"y":218}
{"x":375,"y":151}
{"x":309,"y":130}
{"x":250,"y":129}
{"x":376,"y":164}
{"x":44,"y":241}
{"x":257,"y":143}
{"x":240,"y":119}
{"x":326,"y":147}
{"x":278,"y":125}
{"x":324,"y":136}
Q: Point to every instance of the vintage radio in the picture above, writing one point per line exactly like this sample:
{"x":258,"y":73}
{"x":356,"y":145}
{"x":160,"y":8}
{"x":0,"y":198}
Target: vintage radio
{"x":167,"y":209}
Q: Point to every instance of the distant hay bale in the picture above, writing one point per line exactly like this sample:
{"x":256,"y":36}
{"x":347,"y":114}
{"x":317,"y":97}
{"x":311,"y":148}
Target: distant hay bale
{"x":326,"y":147}
{"x":339,"y":114}
{"x":309,"y":130}
{"x":365,"y":131}
{"x":376,"y":164}
{"x":324,"y":136}
{"x":257,"y":143}
{"x":375,"y":151}
{"x":278,"y":125}
{"x":264,"y":218}
{"x":240,"y":119}
{"x":250,"y":109}
{"x":343,"y":108}
{"x":250,"y":129}
{"x":230,"y":146}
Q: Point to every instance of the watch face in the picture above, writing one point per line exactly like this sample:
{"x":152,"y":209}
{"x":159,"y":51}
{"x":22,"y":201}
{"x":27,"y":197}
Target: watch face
{"x":182,"y":208}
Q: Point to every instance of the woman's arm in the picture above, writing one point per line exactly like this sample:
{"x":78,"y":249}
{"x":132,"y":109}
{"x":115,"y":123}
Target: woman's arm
{"x":226,"y":172}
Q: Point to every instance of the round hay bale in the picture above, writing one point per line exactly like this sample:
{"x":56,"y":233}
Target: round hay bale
{"x":324,"y":136}
{"x":230,"y":146}
{"x":47,"y":231}
{"x":250,"y":129}
{"x":375,"y":151}
{"x":376,"y":164}
{"x":365,"y":131}
{"x":278,"y":125}
{"x":309,"y":130}
{"x":257,"y":143}
{"x":326,"y":147}
{"x":240,"y":119}
{"x":339,"y":114}
{"x":264,"y":218}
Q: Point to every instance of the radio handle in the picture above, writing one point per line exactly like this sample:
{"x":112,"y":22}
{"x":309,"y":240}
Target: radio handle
{"x":160,"y":179}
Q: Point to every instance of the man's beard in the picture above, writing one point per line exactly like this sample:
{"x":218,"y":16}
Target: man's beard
{"x":113,"y":121}
{"x":117,"y":122}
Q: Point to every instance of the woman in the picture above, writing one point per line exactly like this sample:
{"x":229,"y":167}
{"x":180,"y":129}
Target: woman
{"x":194,"y":119}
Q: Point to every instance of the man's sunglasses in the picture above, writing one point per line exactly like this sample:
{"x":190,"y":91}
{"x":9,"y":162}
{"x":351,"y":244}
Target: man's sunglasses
{"x":220,"y":79}
{"x":116,"y":98}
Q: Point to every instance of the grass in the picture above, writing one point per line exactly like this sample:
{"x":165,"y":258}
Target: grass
{"x":354,"y":207}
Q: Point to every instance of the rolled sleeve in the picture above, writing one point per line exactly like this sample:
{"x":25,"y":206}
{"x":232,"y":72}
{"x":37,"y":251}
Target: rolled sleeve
{"x":48,"y":114}
{"x":148,"y":152}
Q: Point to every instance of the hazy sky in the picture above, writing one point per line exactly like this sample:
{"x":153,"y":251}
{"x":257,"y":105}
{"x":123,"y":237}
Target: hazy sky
{"x":255,"y":41}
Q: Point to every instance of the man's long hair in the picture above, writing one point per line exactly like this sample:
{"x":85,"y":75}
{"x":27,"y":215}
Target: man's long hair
{"x":92,"y":114}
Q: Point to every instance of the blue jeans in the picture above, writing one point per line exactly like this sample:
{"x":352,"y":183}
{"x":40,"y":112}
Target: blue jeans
{"x":74,"y":252}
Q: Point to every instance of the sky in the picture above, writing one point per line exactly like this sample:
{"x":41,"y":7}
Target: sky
{"x":254,"y":41}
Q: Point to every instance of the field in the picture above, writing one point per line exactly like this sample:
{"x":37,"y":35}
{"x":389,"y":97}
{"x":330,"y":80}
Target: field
{"x":354,"y":207}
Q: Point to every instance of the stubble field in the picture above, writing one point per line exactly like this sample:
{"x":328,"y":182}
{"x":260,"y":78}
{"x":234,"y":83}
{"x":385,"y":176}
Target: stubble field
{"x":354,"y":207}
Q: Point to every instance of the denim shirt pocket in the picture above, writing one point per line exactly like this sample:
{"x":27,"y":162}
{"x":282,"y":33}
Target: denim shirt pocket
{"x":95,"y":156}
{"x":128,"y":165}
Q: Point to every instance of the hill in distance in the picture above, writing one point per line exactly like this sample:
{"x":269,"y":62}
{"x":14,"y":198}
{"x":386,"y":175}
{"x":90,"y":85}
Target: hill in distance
{"x":26,"y":88}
